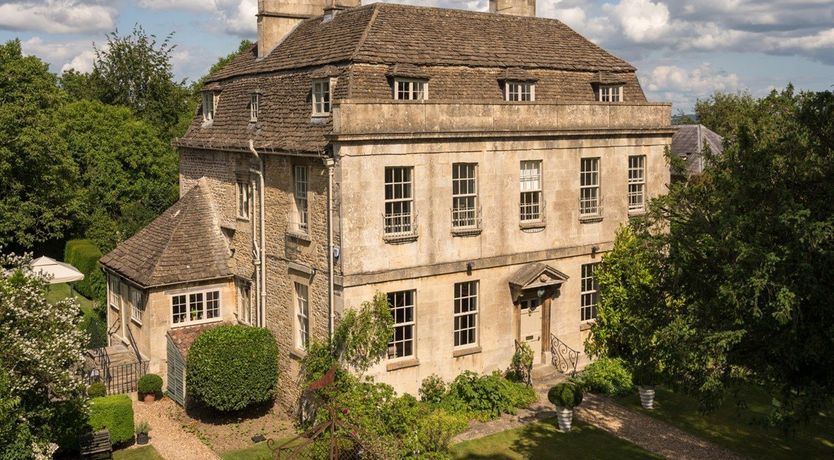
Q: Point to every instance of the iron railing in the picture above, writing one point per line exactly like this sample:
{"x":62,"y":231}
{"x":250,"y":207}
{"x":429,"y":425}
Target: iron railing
{"x":399,"y":225}
{"x":466,"y":219}
{"x":563,"y":357}
{"x":119,"y":379}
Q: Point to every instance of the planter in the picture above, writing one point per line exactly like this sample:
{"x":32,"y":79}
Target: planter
{"x":646,"y":397}
{"x":142,"y":439}
{"x":149,"y":397}
{"x":565,"y":418}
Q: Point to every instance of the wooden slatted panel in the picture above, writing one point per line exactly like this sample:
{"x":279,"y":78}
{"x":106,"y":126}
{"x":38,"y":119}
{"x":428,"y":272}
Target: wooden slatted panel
{"x":176,"y":374}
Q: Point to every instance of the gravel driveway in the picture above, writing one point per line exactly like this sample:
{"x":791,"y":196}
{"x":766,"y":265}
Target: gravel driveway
{"x":168,"y":436}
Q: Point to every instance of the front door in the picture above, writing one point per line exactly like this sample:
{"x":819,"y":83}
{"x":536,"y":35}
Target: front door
{"x":531,"y":323}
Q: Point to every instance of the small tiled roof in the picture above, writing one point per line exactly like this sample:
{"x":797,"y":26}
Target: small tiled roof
{"x":184,"y":244}
{"x":183,"y":337}
{"x":689,"y":141}
{"x":386,"y":33}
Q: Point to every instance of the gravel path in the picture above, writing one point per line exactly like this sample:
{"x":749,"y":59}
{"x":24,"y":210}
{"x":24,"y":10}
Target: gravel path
{"x":168,"y":436}
{"x":647,"y":432}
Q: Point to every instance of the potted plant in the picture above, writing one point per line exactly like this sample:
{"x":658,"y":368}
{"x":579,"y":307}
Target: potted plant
{"x":565,"y":396}
{"x":150,"y":387}
{"x":646,"y":380}
{"x":142,"y":430}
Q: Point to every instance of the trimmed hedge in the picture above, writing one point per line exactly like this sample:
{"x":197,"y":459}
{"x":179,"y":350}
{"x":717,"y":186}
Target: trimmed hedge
{"x":566,"y":394}
{"x":84,"y":255}
{"x":97,"y":390}
{"x":150,"y":384}
{"x":115,"y":414}
{"x":606,"y":376}
{"x":232,"y":367}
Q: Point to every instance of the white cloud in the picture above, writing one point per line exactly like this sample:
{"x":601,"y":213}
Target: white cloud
{"x":681,"y":86}
{"x":83,"y":62}
{"x":192,"y":5}
{"x":238,"y":16}
{"x":57,"y":16}
{"x":641,"y":21}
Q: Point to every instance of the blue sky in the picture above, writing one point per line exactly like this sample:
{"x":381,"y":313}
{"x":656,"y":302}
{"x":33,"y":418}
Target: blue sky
{"x":683,"y":49}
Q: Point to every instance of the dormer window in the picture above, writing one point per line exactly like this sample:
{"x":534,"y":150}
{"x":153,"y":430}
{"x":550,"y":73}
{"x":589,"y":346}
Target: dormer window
{"x":410,"y":89}
{"x":519,"y":91}
{"x":209,"y":100}
{"x":254,"y":103}
{"x":609,"y":93}
{"x":321,"y":98}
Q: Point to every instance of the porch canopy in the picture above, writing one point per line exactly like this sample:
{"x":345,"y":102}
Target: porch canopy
{"x":57,"y":272}
{"x":535,"y":276}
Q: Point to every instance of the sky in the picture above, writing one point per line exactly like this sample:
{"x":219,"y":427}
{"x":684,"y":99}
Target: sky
{"x":683,"y":49}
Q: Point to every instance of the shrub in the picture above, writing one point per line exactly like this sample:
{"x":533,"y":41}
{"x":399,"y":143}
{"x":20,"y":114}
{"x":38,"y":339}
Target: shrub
{"x":606,"y":376}
{"x":432,"y":389}
{"x":97,"y":390}
{"x":143,"y":427}
{"x":84,"y":255}
{"x":487,"y":396}
{"x":436,"y":430}
{"x":567,"y":395}
{"x":115,"y":414}
{"x":521,"y":366}
{"x":150,"y":384}
{"x":231,"y":367}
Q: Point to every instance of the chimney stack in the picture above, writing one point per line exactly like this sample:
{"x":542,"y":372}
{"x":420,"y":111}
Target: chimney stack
{"x":277,"y":18}
{"x":513,"y":7}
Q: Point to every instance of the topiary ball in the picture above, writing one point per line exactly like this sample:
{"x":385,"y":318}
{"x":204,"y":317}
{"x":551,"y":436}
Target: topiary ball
{"x":96,"y":390}
{"x":567,"y":395}
{"x":232,"y":367}
{"x":150,"y":384}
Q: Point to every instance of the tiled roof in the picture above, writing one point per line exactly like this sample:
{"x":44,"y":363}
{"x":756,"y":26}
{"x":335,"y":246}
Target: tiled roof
{"x":689,"y":142}
{"x":384,"y":33}
{"x":184,"y":244}
{"x":183,"y":337}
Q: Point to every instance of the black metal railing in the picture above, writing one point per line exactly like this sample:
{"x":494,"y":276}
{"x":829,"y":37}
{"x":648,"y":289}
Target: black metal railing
{"x":119,"y":379}
{"x":563,"y":357}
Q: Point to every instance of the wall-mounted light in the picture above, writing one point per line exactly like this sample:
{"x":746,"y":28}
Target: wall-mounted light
{"x":541,"y":292}
{"x":469,"y":266}
{"x":594,"y":250}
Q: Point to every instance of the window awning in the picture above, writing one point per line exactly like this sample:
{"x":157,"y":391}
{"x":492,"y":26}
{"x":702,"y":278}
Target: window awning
{"x":534,"y":276}
{"x":59,"y":272}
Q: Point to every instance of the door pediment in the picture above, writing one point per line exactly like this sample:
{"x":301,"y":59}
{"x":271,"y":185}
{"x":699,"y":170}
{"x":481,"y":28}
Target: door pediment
{"x":534,"y":276}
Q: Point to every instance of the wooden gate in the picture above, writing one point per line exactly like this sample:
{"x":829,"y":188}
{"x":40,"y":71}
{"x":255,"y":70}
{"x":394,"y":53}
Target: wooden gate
{"x":176,"y":374}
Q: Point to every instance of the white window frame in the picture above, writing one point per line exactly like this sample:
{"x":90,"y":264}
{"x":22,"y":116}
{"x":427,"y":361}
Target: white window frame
{"x":465,"y":213}
{"x":471,"y":326}
{"x":244,"y":296}
{"x":209,"y":105}
{"x":135,"y":296}
{"x":301,"y":188}
{"x":399,"y":216}
{"x":610,"y":93}
{"x":244,"y":199}
{"x":589,"y":293}
{"x":254,"y":107}
{"x":189,"y":294}
{"x":531,"y":201}
{"x":411,"y":89}
{"x":590,"y":203}
{"x":301,"y":297}
{"x":519,"y":91}
{"x":114,"y":293}
{"x":321,"y":97}
{"x":636,"y":183}
{"x":405,"y":324}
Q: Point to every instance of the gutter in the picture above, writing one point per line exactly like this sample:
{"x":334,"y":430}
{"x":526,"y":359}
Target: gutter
{"x":259,"y":250}
{"x":329,"y":163}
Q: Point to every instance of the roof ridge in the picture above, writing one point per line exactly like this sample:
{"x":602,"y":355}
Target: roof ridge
{"x":366,"y":32}
{"x":177,"y":222}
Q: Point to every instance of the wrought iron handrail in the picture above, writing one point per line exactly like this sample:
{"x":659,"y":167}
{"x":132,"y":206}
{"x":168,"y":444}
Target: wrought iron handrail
{"x":563,"y":357}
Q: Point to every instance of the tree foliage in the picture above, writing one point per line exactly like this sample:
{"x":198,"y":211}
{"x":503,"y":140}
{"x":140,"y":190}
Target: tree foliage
{"x":40,"y":352}
{"x":38,"y":197}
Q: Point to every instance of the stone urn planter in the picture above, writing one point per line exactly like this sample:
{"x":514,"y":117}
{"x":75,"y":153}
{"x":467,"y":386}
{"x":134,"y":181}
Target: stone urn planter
{"x":565,"y":396}
{"x":646,"y":396}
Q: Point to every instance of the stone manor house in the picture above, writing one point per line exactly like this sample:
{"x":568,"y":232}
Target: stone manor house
{"x":474,"y":166}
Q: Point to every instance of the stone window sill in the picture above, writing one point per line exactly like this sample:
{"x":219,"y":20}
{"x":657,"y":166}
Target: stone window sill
{"x":134,"y":321}
{"x":298,"y":354}
{"x":532,"y":225}
{"x":399,"y":239}
{"x":466,"y":231}
{"x":402,"y":364}
{"x":466,"y":351}
{"x":299,"y":235}
{"x":590,"y":219}
{"x":586,"y":326}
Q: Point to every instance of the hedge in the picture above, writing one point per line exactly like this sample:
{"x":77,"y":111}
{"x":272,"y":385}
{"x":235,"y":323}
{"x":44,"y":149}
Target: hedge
{"x":150,"y":384}
{"x":84,"y":255}
{"x":232,"y":367}
{"x":115,"y":414}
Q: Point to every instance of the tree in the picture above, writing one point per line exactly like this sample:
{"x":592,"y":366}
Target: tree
{"x":634,"y":310}
{"x":40,"y":353}
{"x":135,"y":71}
{"x":38,"y":194}
{"x":749,"y":253}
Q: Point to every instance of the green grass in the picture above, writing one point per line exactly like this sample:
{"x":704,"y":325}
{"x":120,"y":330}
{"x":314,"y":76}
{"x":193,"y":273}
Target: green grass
{"x":259,"y":451}
{"x":543,"y":440}
{"x":139,"y":453}
{"x":59,"y":292}
{"x":742,"y":427}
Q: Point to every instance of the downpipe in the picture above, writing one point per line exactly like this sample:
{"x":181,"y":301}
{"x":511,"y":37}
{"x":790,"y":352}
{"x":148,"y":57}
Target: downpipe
{"x":329,"y":162}
{"x":260,"y":250}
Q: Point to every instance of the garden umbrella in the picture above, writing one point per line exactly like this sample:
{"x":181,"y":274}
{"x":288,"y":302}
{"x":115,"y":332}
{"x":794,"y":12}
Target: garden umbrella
{"x":60,"y":272}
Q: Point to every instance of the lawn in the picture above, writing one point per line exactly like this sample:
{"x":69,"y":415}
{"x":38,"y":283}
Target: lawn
{"x":741,"y":427}
{"x":139,"y":453}
{"x":58,"y":292}
{"x":543,"y":440}
{"x":259,"y":451}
